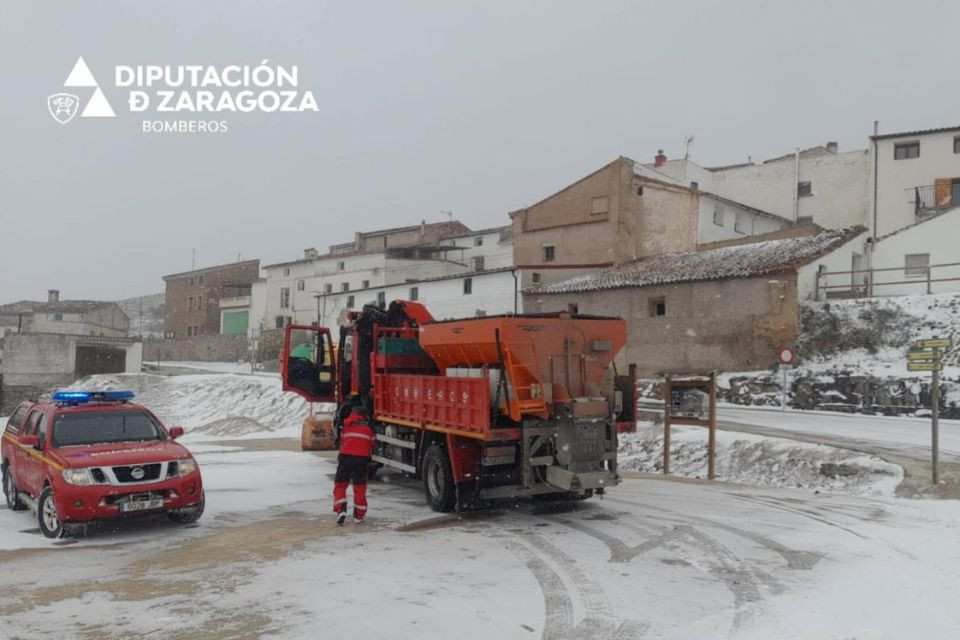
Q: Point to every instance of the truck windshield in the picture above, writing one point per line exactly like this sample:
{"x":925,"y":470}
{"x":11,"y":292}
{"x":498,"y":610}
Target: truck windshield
{"x":92,"y":427}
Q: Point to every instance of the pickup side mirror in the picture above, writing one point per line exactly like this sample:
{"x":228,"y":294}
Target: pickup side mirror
{"x":176,"y":432}
{"x":30,"y":441}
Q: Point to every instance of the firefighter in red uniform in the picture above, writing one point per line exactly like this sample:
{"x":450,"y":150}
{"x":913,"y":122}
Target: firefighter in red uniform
{"x":356,"y":442}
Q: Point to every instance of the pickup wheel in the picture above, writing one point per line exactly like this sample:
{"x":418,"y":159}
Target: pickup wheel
{"x":47,"y":517}
{"x":438,"y":479}
{"x":11,"y":492}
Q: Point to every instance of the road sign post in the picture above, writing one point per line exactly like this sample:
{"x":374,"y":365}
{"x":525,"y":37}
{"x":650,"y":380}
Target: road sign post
{"x":787,"y":357}
{"x":927,"y":355}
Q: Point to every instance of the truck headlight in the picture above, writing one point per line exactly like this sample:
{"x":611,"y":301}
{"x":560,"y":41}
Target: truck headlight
{"x":188,"y":466}
{"x":77,"y":476}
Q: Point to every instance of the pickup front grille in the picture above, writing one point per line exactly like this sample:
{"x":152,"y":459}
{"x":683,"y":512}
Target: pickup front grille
{"x":129,"y":473}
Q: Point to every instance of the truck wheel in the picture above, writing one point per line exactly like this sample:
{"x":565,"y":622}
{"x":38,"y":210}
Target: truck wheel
{"x":47,"y":517}
{"x":438,"y":479}
{"x":10,"y":491}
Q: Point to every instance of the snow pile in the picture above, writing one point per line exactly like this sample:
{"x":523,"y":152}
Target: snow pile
{"x":751,"y":459}
{"x":213,"y":404}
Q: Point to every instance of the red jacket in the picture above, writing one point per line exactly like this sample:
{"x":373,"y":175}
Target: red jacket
{"x":356,"y":437}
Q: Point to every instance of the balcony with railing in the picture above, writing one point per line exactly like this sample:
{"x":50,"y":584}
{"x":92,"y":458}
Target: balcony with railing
{"x":933,"y":198}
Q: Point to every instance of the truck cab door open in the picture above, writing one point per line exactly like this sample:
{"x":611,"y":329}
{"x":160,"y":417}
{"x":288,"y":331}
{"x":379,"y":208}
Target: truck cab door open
{"x":309,"y":363}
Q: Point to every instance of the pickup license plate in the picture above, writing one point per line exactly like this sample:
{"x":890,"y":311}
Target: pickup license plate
{"x":141,"y":505}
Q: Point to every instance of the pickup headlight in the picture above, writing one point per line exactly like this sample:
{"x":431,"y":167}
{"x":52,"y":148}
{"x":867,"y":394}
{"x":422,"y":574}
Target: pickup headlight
{"x":77,"y":476}
{"x":188,"y":466}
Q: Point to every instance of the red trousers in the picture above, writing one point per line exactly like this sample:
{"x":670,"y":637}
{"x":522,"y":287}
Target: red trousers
{"x":351,"y":469}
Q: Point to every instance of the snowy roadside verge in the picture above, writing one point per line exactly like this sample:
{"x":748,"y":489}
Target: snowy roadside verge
{"x":757,"y":460}
{"x":214,"y":405}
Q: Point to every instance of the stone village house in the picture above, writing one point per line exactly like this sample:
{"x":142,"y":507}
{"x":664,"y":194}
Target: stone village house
{"x":728,"y":306}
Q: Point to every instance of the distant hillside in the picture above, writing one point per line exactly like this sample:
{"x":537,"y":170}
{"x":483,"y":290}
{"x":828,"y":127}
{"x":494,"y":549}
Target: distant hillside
{"x":152,"y":314}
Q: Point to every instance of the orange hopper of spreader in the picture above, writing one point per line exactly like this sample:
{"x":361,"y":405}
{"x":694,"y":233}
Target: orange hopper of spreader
{"x":548,"y":359}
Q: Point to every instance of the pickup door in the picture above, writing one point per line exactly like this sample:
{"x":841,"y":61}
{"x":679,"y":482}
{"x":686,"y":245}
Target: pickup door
{"x":12,"y":434}
{"x":30,"y":464}
{"x":309,"y":363}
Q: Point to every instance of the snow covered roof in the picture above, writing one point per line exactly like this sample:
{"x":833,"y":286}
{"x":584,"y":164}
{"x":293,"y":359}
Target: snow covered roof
{"x":927,"y":218}
{"x":918,"y":132}
{"x":646,"y":171}
{"x":741,"y":261}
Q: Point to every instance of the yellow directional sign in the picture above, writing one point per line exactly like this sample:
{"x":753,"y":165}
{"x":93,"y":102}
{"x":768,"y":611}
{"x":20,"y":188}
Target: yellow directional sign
{"x":924,"y":355}
{"x":924,"y":366}
{"x":933,"y":343}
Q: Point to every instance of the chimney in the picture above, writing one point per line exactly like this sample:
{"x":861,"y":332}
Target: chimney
{"x":309,"y":254}
{"x":53,"y":296}
{"x":832,"y":147}
{"x":659,"y":159}
{"x":423,"y":228}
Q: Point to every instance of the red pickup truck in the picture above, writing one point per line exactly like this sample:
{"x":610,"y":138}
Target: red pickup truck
{"x":85,"y":456}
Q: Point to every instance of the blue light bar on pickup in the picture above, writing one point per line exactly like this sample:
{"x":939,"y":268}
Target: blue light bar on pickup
{"x":82,"y":397}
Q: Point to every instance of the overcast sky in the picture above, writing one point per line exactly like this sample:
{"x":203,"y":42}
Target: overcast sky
{"x":477,"y":108}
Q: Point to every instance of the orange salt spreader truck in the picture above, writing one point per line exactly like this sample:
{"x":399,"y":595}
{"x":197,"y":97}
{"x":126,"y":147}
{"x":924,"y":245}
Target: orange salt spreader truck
{"x":479,"y":408}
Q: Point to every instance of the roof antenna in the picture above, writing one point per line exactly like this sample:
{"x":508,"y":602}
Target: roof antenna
{"x":449,"y":214}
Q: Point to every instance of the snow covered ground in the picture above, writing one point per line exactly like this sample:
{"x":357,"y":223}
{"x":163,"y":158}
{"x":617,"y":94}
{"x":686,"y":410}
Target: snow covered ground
{"x":836,"y":558}
{"x":751,"y":459}
{"x":656,"y":559}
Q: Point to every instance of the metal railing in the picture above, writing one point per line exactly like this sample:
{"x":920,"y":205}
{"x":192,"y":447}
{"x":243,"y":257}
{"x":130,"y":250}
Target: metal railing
{"x":864,"y":283}
{"x":935,"y":197}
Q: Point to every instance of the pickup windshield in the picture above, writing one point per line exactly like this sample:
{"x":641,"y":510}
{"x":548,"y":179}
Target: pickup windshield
{"x":92,"y":427}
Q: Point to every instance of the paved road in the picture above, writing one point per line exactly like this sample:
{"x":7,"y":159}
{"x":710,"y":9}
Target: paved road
{"x":905,"y":436}
{"x":656,"y":559}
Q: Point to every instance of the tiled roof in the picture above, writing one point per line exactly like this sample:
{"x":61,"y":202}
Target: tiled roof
{"x":64,"y":306}
{"x":742,"y":261}
{"x":22,"y":306}
{"x":443,"y":230}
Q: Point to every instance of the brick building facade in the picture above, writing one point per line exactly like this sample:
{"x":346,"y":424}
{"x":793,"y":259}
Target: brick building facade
{"x":193,"y":298}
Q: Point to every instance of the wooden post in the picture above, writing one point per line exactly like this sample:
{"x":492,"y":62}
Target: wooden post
{"x":666,"y":426}
{"x":935,"y":423}
{"x":712,"y":441}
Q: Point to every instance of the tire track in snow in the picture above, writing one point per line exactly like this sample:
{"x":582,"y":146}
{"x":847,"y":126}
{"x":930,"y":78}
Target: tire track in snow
{"x":619,"y":551}
{"x":599,"y":621}
{"x":558,"y":606}
{"x":796,"y":559}
{"x":818,"y":517}
{"x":741,"y":582}
{"x":739,"y":577}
